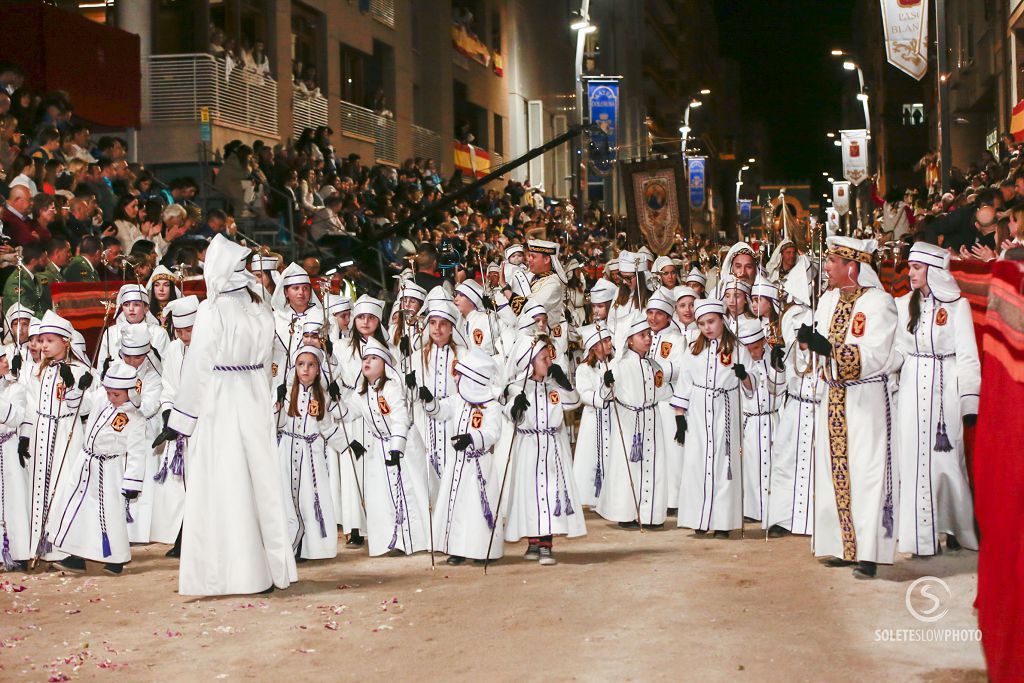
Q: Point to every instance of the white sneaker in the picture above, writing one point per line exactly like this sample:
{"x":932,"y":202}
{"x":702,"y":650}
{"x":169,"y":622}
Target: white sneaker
{"x":532,"y":553}
{"x":546,"y":557}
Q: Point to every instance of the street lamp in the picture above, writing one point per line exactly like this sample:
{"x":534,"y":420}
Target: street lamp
{"x":850,"y":65}
{"x":824,"y":174}
{"x":705,"y":92}
{"x":581,"y":24}
{"x":685,"y":128}
{"x":830,"y":134}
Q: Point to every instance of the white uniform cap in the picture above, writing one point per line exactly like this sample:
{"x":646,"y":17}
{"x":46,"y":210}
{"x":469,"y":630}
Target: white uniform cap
{"x":136,"y":340}
{"x":603,"y":292}
{"x":294,"y":275}
{"x":750,"y":331}
{"x":340,"y":305}
{"x":120,"y":375}
{"x":696,"y":276}
{"x":368,"y":304}
{"x":316,"y":352}
{"x":129,"y":293}
{"x":372,"y":347}
{"x":660,"y":303}
{"x":682,"y":290}
{"x":662,"y":262}
{"x":412,"y":290}
{"x":183,"y":311}
{"x":472,"y":290}
{"x":705,"y":306}
{"x":592,"y":335}
{"x":54,"y":324}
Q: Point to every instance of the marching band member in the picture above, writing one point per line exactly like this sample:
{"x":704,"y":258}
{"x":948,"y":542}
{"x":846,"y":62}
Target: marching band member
{"x":668,"y":348}
{"x":476,"y":323}
{"x":696,"y":281}
{"x":341,"y":318}
{"x":132,"y":309}
{"x":708,"y":424}
{"x":593,"y":442}
{"x":88,"y":521}
{"x":540,"y":454}
{"x":15,"y":493}
{"x":685,"y":297}
{"x":293,"y":303}
{"x":939,"y":387}
{"x":602,"y":294}
{"x":665,"y":269}
{"x":736,"y":295}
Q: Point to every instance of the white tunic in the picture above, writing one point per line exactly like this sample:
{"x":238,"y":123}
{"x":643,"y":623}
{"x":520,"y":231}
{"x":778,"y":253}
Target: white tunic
{"x":234,"y":534}
{"x":668,"y":348}
{"x":465,"y":511}
{"x":302,"y":449}
{"x":760,"y":419}
{"x":397,"y":516}
{"x":640,"y":385}
{"x":709,"y":495}
{"x":939,"y":384}
{"x":14,"y":479}
{"x":140,"y":510}
{"x":88,"y":518}
{"x":168,"y":487}
{"x":435,"y":370}
{"x":855,"y":475}
{"x":344,"y":471}
{"x":593,"y":443}
{"x":542,"y":494}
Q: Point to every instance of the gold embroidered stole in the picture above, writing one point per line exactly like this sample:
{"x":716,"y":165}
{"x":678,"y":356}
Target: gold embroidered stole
{"x":847,"y":368}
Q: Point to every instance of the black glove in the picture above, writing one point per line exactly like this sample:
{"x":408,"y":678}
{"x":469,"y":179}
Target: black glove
{"x":556,"y":373}
{"x":23,"y":453}
{"x":609,"y":378}
{"x":778,"y":358}
{"x":425,"y":395}
{"x":488,"y":303}
{"x":410,"y":380}
{"x":280,"y":393}
{"x":741,"y":372}
{"x":85,"y":381}
{"x":358,"y":450}
{"x":394,"y":459}
{"x":334,"y":391}
{"x":803,"y":335}
{"x":405,"y":348}
{"x":329,"y":346}
{"x":165,"y":435}
{"x":106,"y":366}
{"x":130,"y":495}
{"x":680,"y":429}
{"x":66,"y":376}
{"x":166,"y":415}
{"x":461,"y":442}
{"x":971,"y":420}
{"x":16,"y":364}
{"x":519,"y":407}
{"x":814,"y":340}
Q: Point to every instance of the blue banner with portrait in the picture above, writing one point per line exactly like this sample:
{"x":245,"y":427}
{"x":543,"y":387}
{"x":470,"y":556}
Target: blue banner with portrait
{"x":603,"y":100}
{"x":745,"y":211}
{"x":695,"y":181}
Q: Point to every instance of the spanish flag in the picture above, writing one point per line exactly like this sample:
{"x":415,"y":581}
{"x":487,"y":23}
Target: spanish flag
{"x":1017,"y":122}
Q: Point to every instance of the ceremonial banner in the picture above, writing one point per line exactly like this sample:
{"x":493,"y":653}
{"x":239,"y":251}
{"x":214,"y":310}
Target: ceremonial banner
{"x":695,"y":175}
{"x":745,"y":212}
{"x":841,"y":197}
{"x":831,"y":221}
{"x":855,"y":155}
{"x":906,"y":35}
{"x":603,"y":98}
{"x":655,"y":201}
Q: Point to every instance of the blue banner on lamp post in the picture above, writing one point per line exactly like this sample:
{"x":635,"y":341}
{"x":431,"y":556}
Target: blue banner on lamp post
{"x":603,"y":100}
{"x":695,"y":181}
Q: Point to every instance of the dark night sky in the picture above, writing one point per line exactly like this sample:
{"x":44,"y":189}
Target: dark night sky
{"x":790,"y":80}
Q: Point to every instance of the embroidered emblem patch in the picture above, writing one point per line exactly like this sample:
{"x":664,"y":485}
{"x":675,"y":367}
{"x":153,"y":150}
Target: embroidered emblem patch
{"x":61,"y":390}
{"x":659,"y":377}
{"x":138,"y":386}
{"x":551,"y":352}
{"x":666,"y":348}
{"x":476,"y":419}
{"x":941,"y":317}
{"x":382,"y":403}
{"x":314,"y":408}
{"x":478,"y":336}
{"x":454,"y":361}
{"x":557,"y":331}
{"x":725,"y":358}
{"x":553,"y":397}
{"x":119,"y":422}
{"x":273,"y":369}
{"x":860,"y":321}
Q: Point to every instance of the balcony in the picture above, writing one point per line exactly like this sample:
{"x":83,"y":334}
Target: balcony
{"x":363,"y":124}
{"x":180,"y":85}
{"x":426,"y":144}
{"x":308,"y":111}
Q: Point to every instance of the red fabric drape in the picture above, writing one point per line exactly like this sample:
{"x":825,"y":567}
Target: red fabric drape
{"x":999,"y":477}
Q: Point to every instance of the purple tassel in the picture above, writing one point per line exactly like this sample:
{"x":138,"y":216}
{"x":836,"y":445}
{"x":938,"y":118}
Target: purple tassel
{"x":887,"y":516}
{"x":319,"y":515}
{"x":161,"y":476}
{"x":178,"y":461}
{"x":44,"y":547}
{"x":106,"y":545}
{"x":558,"y":505}
{"x":636,"y":453}
{"x":728,"y":470}
{"x":482,"y":486}
{"x":942,"y":443}
{"x":598,"y":481}
{"x":568,"y":505}
{"x":128,"y":511}
{"x":9,"y":563}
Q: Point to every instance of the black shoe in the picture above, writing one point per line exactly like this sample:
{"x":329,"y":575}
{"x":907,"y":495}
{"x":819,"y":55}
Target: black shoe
{"x":654,"y":526}
{"x":455,"y":560}
{"x":952,"y":543}
{"x":267,"y":591}
{"x":115,"y":568}
{"x":629,"y":525}
{"x":777,"y":531}
{"x":480,"y":563}
{"x":672,"y":512}
{"x":700,"y":533}
{"x":175,"y":551}
{"x":299,"y":559}
{"x":355,"y":540}
{"x":838,"y":562}
{"x":749,"y":520}
{"x":532,"y":552}
{"x":865,"y":570}
{"x":721,"y":535}
{"x":71,"y":564}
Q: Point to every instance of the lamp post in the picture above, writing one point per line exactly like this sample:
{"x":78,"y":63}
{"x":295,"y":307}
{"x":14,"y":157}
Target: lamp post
{"x":583,"y":27}
{"x":684,"y":130}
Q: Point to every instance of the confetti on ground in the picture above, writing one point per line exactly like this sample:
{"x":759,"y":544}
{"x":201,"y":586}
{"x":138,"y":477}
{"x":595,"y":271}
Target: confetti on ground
{"x":8,"y":587}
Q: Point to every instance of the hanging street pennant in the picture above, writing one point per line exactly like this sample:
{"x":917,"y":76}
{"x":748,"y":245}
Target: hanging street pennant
{"x":841,"y":197}
{"x":906,"y":35}
{"x":695,"y":174}
{"x":855,"y":155}
{"x":603,"y":98}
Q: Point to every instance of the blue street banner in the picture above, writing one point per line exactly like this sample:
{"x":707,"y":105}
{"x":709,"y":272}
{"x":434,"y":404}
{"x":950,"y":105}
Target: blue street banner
{"x":695,"y":181}
{"x":745,"y":211}
{"x":603,"y":100}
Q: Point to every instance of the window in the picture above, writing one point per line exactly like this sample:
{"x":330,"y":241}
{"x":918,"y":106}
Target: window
{"x":307,"y":33}
{"x":499,"y":135}
{"x":496,"y":29}
{"x":353,"y":75}
{"x":470,"y":118}
{"x":913,"y":115}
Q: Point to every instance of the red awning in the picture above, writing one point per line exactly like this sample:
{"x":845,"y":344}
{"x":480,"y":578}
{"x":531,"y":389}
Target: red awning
{"x":97,"y":66}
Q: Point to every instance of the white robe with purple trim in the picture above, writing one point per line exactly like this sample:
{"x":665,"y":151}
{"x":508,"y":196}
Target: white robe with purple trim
{"x":939,"y":384}
{"x":593,"y":443}
{"x":168,"y":484}
{"x":760,"y":422}
{"x":15,"y":494}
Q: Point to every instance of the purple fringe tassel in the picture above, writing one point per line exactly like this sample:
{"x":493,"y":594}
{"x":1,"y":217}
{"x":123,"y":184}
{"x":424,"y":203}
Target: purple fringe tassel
{"x":161,"y":476}
{"x":568,"y":504}
{"x":106,"y":545}
{"x":128,"y":511}
{"x":636,"y":453}
{"x":319,"y":515}
{"x":178,"y":461}
{"x":9,"y":563}
{"x":44,"y":547}
{"x":482,"y":486}
{"x":887,"y":516}
{"x":558,"y":505}
{"x":942,"y":443}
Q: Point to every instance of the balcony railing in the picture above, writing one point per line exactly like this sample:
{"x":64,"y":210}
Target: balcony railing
{"x":308,"y":111}
{"x":180,"y":85}
{"x":383,"y":11}
{"x":363,"y":124}
{"x":426,"y":144}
